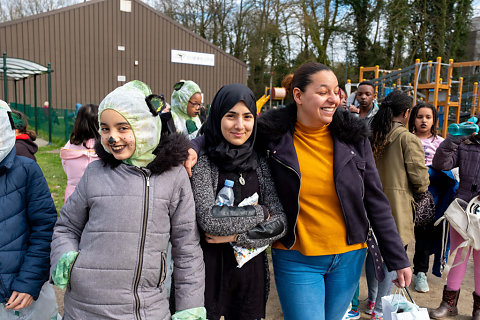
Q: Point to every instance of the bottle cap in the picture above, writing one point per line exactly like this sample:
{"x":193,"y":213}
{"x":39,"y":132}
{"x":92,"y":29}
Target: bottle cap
{"x":229,"y":183}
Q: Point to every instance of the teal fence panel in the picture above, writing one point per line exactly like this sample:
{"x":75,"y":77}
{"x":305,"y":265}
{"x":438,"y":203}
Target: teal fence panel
{"x":62,"y":121}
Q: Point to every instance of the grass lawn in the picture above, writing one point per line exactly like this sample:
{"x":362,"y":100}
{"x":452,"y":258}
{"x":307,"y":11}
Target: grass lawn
{"x":48,"y":159}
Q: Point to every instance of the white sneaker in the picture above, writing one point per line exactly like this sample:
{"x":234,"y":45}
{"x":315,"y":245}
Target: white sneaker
{"x":421,"y":284}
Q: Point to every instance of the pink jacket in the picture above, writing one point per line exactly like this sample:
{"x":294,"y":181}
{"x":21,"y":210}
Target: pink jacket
{"x":75,"y":159}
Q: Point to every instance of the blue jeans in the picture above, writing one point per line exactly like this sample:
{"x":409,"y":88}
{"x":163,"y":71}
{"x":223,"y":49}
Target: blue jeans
{"x":316,"y":287}
{"x":377,"y":290}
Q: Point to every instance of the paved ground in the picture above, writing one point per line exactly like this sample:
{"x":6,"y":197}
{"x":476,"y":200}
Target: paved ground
{"x":40,"y":142}
{"x":429,"y":300}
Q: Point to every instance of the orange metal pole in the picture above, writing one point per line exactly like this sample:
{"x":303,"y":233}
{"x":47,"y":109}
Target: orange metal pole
{"x":428,"y":71}
{"x":460,"y":88}
{"x":399,"y":80}
{"x":415,"y":81}
{"x":473,"y":110}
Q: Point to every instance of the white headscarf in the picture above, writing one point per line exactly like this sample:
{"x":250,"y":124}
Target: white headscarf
{"x":129,"y":101}
{"x":179,"y":106}
{"x":7,"y":134}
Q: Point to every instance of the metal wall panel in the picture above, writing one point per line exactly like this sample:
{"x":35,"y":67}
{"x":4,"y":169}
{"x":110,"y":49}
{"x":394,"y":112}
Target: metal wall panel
{"x":81,"y":43}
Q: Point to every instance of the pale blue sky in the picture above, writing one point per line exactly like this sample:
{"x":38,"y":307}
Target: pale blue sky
{"x":476,"y":8}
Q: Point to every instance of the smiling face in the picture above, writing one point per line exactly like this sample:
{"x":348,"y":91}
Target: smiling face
{"x":193,"y":105}
{"x":424,"y":122}
{"x":365,"y":95}
{"x":237,"y":124}
{"x":117,"y":134}
{"x":317,"y":104}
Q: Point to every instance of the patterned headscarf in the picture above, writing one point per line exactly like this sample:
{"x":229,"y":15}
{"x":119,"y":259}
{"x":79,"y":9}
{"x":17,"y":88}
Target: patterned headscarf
{"x":129,"y":101}
{"x":7,"y":133}
{"x":179,"y":105}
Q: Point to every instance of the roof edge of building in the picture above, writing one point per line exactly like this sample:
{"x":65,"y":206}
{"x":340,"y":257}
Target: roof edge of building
{"x":91,"y":2}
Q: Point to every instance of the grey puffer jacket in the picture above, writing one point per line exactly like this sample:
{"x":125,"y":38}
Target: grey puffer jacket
{"x":120,"y":219}
{"x":464,"y":153}
{"x":249,"y":221}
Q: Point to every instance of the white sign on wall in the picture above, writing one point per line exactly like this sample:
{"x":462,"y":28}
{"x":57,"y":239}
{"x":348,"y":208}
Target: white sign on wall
{"x":126,"y":5}
{"x":190,"y":57}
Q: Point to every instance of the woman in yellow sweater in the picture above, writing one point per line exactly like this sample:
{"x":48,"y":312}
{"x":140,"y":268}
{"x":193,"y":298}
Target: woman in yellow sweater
{"x":325,"y":174}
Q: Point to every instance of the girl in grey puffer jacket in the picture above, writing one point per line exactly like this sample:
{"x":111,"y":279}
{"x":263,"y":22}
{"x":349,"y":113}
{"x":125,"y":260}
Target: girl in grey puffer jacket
{"x":109,"y":244}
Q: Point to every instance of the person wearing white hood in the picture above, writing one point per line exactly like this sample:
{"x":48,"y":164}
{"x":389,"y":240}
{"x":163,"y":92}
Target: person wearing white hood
{"x":185,"y":110}
{"x":110,"y":242}
{"x":27,"y":218}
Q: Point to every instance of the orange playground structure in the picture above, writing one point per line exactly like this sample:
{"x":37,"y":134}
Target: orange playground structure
{"x":452,"y":87}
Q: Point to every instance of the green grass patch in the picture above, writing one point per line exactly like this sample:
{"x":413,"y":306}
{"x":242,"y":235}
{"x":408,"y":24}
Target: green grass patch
{"x":48,"y":159}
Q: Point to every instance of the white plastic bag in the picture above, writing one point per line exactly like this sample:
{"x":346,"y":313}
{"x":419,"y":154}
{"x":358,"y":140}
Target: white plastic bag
{"x":397,"y":307}
{"x":464,"y":218}
{"x":44,"y":308}
{"x":243,"y":255}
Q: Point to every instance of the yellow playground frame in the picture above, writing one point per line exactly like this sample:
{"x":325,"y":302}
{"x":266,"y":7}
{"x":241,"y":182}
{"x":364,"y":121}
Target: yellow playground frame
{"x":427,"y":84}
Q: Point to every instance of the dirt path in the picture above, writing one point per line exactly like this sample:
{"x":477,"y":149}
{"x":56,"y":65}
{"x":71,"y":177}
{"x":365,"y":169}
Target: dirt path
{"x":429,"y":300}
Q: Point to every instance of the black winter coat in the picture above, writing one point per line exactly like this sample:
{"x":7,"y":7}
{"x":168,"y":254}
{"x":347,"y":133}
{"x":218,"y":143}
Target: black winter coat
{"x":463,"y":153}
{"x":26,"y":148}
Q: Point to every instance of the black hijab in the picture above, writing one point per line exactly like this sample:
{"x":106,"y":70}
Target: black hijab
{"x":229,"y":157}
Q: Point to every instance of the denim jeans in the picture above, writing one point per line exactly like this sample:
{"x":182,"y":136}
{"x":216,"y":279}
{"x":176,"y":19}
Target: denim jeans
{"x":316,"y":287}
{"x":377,"y":290}
{"x":355,"y":300}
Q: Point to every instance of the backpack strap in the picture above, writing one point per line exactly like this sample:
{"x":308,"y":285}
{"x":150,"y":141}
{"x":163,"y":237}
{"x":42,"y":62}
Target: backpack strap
{"x":465,"y":244}
{"x":445,"y":239}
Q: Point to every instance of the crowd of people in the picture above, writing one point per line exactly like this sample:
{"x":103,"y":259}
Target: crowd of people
{"x":331,"y":183}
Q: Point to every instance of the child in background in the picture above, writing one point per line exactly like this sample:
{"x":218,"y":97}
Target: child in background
{"x":25,"y":138}
{"x":27,"y":217}
{"x":422,"y":123}
{"x":109,"y":244}
{"x":182,"y":117}
{"x":185,"y":110}
{"x":79,"y":151}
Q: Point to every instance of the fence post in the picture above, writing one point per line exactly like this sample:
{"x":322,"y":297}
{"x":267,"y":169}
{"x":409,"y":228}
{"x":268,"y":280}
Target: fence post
{"x":49,"y":104}
{"x":35,"y":102}
{"x":66,"y":124}
{"x":15,"y":92}
{"x":5,"y":83}
{"x":24,"y":98}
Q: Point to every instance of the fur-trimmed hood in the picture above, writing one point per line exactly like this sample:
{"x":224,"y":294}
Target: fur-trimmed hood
{"x":170,"y":152}
{"x":472,"y":140}
{"x":273,"y":124}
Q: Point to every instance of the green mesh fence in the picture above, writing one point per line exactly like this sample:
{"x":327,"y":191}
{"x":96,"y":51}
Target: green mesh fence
{"x":62,"y":121}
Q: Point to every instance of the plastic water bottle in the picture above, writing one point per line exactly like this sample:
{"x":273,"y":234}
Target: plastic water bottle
{"x":225,"y":196}
{"x":465,"y":128}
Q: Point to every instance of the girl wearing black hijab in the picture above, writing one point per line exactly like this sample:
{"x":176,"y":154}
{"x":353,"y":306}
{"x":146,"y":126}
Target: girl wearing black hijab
{"x":230,"y":291}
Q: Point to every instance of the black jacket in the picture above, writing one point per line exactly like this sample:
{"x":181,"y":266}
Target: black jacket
{"x":464,"y":153}
{"x":356,"y":178}
{"x":26,"y":148}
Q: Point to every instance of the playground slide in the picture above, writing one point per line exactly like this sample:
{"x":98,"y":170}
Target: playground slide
{"x":261,"y":102}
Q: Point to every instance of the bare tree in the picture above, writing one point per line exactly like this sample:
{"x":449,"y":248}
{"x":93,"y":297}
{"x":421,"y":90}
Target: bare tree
{"x":14,"y":9}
